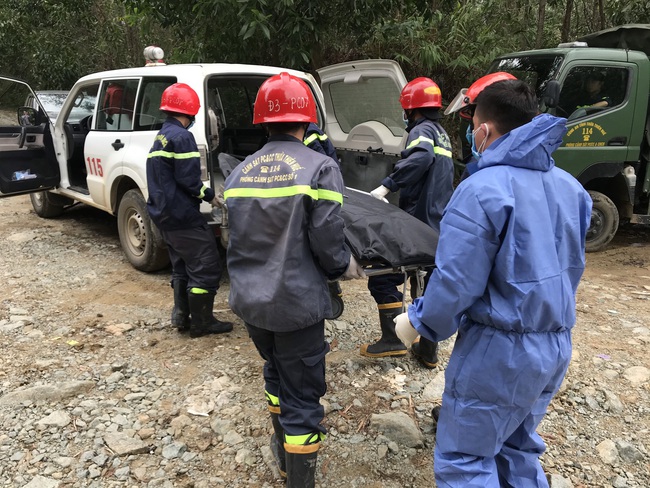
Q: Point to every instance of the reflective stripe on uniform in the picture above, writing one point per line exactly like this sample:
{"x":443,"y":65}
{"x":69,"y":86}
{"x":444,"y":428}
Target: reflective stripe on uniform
{"x":436,"y":149}
{"x":167,"y":154}
{"x":310,"y":439}
{"x":420,"y":139}
{"x":288,"y":191}
{"x":313,"y":137}
{"x":300,"y":449}
{"x":198,"y":291}
{"x":273,"y":401}
{"x":442,"y":151}
{"x":202,"y":192}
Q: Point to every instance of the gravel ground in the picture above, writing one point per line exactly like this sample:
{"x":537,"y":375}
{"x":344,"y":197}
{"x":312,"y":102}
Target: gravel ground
{"x":96,"y":389}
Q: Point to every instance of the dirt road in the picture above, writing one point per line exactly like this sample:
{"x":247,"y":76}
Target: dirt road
{"x":97,"y":390}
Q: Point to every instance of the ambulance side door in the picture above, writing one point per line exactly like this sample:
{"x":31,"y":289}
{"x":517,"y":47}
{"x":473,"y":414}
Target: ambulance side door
{"x":28,"y":161}
{"x":108,"y":142}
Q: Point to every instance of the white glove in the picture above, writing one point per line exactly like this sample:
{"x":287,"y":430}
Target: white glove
{"x":404,"y":330}
{"x":217,"y":201}
{"x":354,"y":271}
{"x":380,"y":193}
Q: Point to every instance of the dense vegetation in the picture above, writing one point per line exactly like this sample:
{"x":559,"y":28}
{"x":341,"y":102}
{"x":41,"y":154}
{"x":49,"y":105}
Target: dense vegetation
{"x":52,"y":43}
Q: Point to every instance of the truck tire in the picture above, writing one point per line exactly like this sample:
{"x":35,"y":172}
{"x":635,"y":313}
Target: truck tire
{"x":140,"y":239}
{"x":604,"y":222}
{"x":49,"y":205}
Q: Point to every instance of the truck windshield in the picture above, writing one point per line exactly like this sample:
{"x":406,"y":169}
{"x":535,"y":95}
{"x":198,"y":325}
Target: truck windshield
{"x":534,"y":70}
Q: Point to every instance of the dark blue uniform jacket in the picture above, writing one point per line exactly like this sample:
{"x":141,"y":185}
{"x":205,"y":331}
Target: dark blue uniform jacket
{"x":425,"y":173}
{"x":174,"y":179}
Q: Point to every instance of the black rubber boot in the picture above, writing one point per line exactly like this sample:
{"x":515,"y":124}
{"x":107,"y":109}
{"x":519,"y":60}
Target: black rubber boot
{"x":426,"y":352}
{"x":389,"y":345}
{"x":435,"y":413}
{"x":301,"y":469}
{"x":181,"y":310}
{"x":203,"y":322}
{"x":277,"y":445}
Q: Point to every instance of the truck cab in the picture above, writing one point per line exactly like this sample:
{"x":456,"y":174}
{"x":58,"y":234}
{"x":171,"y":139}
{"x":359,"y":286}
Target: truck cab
{"x":603,"y":94}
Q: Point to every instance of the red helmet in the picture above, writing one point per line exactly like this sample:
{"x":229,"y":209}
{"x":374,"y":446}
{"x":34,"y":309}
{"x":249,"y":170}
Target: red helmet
{"x":467,"y":96}
{"x":180,"y":98}
{"x":284,"y":98}
{"x":419,"y":93}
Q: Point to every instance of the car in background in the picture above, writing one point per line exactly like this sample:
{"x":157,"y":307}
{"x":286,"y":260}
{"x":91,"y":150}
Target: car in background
{"x":52,"y":101}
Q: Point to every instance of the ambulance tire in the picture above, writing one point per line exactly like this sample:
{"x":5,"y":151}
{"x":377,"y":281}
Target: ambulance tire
{"x":604,"y":222}
{"x":140,"y":238}
{"x":48,"y":205}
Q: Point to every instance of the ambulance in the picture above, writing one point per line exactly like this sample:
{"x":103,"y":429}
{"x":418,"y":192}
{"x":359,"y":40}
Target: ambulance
{"x":99,"y":159}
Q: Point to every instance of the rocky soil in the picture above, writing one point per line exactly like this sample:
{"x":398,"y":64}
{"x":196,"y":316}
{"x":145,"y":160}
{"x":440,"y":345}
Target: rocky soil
{"x":96,"y":389}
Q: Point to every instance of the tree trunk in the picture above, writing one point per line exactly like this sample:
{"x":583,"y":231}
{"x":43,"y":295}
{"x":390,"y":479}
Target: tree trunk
{"x":566,"y":22}
{"x":541,"y":14}
{"x":601,"y":13}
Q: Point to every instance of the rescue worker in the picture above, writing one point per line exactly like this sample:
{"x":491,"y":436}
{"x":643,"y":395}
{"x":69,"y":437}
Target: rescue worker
{"x":175,"y":194}
{"x":286,"y":241}
{"x":317,"y":140}
{"x":465,"y":103}
{"x":424,"y":174}
{"x":508,"y":263}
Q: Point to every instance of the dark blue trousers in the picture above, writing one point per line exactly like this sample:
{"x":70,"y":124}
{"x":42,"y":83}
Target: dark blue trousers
{"x":294,"y":372}
{"x":194,"y":257}
{"x":388,"y":288}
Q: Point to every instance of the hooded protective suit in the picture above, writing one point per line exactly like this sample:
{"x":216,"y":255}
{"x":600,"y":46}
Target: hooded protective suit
{"x":510,"y":257}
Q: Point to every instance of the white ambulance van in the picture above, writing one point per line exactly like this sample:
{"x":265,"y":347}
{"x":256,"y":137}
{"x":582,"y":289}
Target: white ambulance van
{"x":100,"y":159}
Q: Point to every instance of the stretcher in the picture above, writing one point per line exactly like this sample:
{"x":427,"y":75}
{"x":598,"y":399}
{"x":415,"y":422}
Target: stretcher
{"x":385,"y":240}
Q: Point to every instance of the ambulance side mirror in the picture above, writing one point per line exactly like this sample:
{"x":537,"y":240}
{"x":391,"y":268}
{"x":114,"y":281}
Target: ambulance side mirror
{"x":27,"y":117}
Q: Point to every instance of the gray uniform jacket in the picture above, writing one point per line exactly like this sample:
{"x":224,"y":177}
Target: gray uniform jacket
{"x":286,"y":235}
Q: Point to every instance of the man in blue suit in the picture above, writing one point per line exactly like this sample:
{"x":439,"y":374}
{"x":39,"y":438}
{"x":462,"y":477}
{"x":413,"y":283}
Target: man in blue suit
{"x":509,"y":260}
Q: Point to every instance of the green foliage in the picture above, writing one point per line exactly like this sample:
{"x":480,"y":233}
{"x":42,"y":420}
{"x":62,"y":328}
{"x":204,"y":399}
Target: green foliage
{"x":52,"y":43}
{"x":43,"y":42}
{"x":628,"y":12}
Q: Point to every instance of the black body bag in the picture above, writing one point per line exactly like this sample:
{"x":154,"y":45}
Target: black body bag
{"x":383,"y":235}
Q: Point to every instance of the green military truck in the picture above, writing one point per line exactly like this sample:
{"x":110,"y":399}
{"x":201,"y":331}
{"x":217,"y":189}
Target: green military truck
{"x":600,"y":83}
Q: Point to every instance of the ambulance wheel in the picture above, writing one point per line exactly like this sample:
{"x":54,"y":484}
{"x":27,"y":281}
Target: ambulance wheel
{"x":604,"y":222}
{"x":48,"y":205}
{"x":140,"y":239}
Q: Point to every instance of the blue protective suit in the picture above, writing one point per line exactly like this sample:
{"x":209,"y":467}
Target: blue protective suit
{"x":509,"y":259}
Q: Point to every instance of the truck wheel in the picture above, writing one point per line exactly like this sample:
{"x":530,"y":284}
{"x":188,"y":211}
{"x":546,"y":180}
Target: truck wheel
{"x":604,"y":222}
{"x":139,"y":237}
{"x":49,"y":205}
